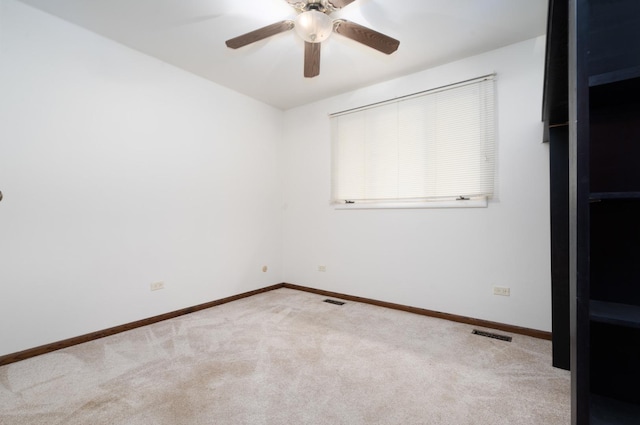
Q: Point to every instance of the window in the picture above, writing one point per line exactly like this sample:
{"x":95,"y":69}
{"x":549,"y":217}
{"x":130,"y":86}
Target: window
{"x":433,"y":146}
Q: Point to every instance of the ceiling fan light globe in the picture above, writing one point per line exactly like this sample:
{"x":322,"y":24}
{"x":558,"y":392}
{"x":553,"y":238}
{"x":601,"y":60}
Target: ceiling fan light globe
{"x":313,"y":26}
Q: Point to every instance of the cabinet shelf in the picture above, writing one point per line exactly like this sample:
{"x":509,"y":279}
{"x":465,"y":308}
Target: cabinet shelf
{"x":607,"y":411}
{"x":623,"y":196}
{"x":615,"y":313}
{"x":614,"y":76}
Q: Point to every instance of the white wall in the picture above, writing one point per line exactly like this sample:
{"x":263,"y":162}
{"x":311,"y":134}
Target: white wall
{"x":439,"y":259}
{"x":117,"y":171}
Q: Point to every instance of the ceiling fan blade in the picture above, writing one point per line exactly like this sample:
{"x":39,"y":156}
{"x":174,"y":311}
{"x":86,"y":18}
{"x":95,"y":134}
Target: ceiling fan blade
{"x":366,"y":36}
{"x":259,"y":34}
{"x":338,"y":4}
{"x":311,"y":59}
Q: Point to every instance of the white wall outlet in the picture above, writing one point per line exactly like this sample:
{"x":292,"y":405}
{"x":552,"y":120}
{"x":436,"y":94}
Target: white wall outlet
{"x":157,"y":285}
{"x":322,"y":268}
{"x":501,"y":290}
{"x":264,"y":269}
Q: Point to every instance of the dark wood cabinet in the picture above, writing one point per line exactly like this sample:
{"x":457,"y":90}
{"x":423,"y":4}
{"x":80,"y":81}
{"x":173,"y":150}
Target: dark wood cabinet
{"x":555,"y":114}
{"x":612,"y":274}
{"x":603,"y":215}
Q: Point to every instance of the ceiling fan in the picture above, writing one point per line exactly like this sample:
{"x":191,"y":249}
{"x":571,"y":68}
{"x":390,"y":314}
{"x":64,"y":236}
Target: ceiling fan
{"x":314,"y":25}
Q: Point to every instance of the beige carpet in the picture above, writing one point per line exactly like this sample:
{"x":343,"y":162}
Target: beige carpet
{"x":286,"y":357}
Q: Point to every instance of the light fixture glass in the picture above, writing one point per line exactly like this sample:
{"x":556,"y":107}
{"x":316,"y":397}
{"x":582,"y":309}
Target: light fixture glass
{"x":313,"y":26}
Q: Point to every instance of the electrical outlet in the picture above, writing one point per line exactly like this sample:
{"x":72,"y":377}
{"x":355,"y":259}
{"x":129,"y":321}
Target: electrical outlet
{"x":322,"y":268}
{"x":157,"y":285}
{"x":501,"y":290}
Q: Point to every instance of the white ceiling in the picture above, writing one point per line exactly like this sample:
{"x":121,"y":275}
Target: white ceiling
{"x":190,"y":34}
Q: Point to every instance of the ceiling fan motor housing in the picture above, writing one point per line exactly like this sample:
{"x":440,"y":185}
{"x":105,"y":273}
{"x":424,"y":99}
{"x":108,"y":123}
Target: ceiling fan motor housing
{"x":323,"y":6}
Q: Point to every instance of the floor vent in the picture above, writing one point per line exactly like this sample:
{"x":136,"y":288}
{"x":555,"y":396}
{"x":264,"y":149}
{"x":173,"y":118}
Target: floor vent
{"x":492,"y":335}
{"x":333,"y":302}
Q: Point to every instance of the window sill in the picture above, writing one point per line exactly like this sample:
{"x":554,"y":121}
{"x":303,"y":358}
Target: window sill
{"x":470,"y":203}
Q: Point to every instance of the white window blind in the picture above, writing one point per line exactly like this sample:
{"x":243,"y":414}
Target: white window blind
{"x":436,"y":145}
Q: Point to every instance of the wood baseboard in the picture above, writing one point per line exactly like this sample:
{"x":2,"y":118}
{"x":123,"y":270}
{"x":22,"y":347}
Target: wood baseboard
{"x":424,"y":312}
{"x":48,"y":348}
{"x":43,"y":349}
